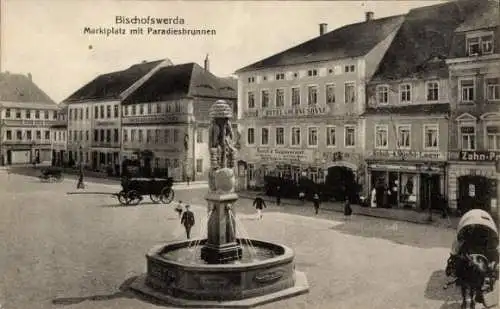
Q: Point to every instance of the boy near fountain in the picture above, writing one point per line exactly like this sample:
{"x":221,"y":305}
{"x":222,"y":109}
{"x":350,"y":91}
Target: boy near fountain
{"x":188,"y":221}
{"x":259,"y":205}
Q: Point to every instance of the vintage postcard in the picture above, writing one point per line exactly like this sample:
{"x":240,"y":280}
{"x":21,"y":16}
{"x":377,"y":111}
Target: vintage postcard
{"x":239,"y":154}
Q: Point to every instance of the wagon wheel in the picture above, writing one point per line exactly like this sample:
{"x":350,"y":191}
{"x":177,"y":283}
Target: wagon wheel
{"x":134,"y":197}
{"x":123,"y":198}
{"x":155,"y":198}
{"x":167,"y":195}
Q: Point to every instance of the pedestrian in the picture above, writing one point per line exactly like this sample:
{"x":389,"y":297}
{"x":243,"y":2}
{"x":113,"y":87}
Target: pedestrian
{"x":316,"y":202}
{"x":259,"y":205}
{"x":178,"y":208}
{"x":80,"y":184}
{"x":188,"y":221}
{"x":373,"y":198}
{"x":302,"y":196}
{"x":278,"y":195}
{"x":188,"y":180}
{"x":347,"y":208}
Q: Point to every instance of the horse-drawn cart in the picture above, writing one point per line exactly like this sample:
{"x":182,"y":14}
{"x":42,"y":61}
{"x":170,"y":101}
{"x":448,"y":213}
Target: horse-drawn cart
{"x":158,"y":189}
{"x":51,"y":174}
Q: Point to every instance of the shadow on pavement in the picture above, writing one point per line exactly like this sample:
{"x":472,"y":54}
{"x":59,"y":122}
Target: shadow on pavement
{"x":404,"y":233}
{"x":435,"y":290}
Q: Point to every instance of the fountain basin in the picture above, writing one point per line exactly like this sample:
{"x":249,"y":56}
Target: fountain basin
{"x":265,"y":272}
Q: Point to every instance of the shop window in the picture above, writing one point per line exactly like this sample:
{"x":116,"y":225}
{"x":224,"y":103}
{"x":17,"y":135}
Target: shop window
{"x":468,"y":137}
{"x":295,"y":136}
{"x":431,"y":136}
{"x":349,"y":136}
{"x":404,"y":137}
{"x":330,"y":136}
{"x":312,"y":139}
{"x":405,"y":93}
{"x":493,"y":89}
{"x":381,"y":136}
{"x":280,"y":97}
{"x":493,"y":137}
{"x":280,"y":136}
{"x":330,"y":94}
{"x":250,"y":136}
{"x":382,"y":94}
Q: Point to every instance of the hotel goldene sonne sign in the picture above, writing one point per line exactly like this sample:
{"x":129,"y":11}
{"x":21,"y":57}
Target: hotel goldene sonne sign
{"x":295,"y":111}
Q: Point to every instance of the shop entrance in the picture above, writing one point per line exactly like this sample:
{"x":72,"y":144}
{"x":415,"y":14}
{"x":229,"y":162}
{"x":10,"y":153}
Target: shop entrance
{"x":473,"y":192}
{"x":430,"y":191}
{"x":342,"y":182}
{"x":9,"y":157}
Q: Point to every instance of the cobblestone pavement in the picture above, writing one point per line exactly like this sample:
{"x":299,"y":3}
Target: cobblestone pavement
{"x":81,"y":251}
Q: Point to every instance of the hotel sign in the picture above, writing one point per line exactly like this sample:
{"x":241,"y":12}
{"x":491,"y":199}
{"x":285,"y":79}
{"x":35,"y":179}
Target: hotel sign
{"x":295,"y":111}
{"x":284,"y":154}
{"x":475,"y":156}
{"x":407,"y":155}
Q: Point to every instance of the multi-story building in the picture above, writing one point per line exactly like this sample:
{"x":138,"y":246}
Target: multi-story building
{"x":168,"y":116}
{"x":94,"y":121}
{"x":474,"y":65}
{"x":299,"y":109}
{"x":26,"y":116}
{"x":59,"y":133}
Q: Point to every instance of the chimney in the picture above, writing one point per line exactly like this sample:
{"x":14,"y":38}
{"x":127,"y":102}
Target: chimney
{"x":207,"y":64}
{"x":144,"y":61}
{"x":29,"y":76}
{"x":322,"y":28}
{"x":369,"y":16}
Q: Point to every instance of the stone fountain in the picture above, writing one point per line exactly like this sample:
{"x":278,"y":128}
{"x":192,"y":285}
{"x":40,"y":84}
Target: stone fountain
{"x":221,"y":270}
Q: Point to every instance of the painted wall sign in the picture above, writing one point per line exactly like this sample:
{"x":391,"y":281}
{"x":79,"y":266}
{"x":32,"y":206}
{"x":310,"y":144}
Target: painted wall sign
{"x":295,"y":111}
{"x":407,"y":155}
{"x":155,"y":119}
{"x":284,"y":154}
{"x":29,"y":122}
{"x":479,"y":156}
{"x":106,"y":123}
{"x":340,"y":156}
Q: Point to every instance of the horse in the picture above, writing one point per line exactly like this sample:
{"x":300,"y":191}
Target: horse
{"x":470,"y":271}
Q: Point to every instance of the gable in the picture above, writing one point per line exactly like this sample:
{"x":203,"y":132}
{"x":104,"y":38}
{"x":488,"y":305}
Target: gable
{"x":466,"y":117}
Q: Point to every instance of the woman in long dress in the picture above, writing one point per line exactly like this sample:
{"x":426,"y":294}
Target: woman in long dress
{"x":373,"y":198}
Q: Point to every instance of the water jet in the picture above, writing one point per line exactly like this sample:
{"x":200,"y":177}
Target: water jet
{"x":221,"y":270}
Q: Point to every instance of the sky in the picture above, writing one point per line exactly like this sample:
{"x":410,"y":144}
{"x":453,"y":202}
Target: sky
{"x":46,"y":37}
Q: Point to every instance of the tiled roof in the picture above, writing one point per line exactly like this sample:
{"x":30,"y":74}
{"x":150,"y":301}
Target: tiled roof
{"x":110,"y":86}
{"x":487,"y":15}
{"x":179,"y":81}
{"x":423,"y":42}
{"x":420,"y":109}
{"x":349,"y":41}
{"x":19,"y":88}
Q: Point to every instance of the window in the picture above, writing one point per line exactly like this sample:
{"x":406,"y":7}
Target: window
{"x":132,"y":135}
{"x":176,"y":135}
{"x":37,"y":114}
{"x":280,"y":136}
{"x":264,"y":136}
{"x":167,"y":136}
{"x":280,"y":97}
{"x":169,"y":107}
{"x":96,"y":135}
{"x":158,"y":108}
{"x":54,"y":115}
{"x":108,"y":135}
{"x":71,"y":113}
{"x":330,"y":137}
{"x":8,"y":135}
{"x":381,"y":136}
{"x":251,"y":100}
{"x":432,"y":91}
{"x":251,"y":136}
{"x":330,"y":94}
{"x":81,"y":113}
{"x":295,"y":136}
{"x":96,"y":112}
{"x":313,"y":72}
{"x":125,"y":111}
{"x":312,"y":95}
{"x":167,"y":162}
{"x":116,"y":109}
{"x":280,"y":76}
{"x":382,"y":94}
{"x":176,"y":163}
{"x":265,"y":98}
{"x":251,"y":79}
{"x":349,"y":68}
{"x":19,"y":135}
{"x":468,"y":137}
{"x":28,"y":135}
{"x":7,"y":113}
{"x":125,"y":135}
{"x":141,"y":109}
{"x":405,"y":93}
{"x":46,"y":114}
{"x":81,"y":135}
{"x":295,"y":96}
{"x":404,"y":134}
{"x":18,"y":114}
{"x":134,"y":110}
{"x":349,"y":136}
{"x":115,"y":134}
{"x":312,"y":137}
{"x":140,"y":136}
{"x":493,"y":138}
{"x":431,"y":136}
{"x":150,"y":108}
{"x":493,"y":89}
{"x":28,"y":114}
{"x":199,"y":166}
{"x":199,"y":136}
{"x":480,"y":45}
{"x":149,"y":136}
{"x":87,"y":137}
{"x":349,"y":93}
{"x":47,"y":134}
{"x":177,"y":106}
{"x":87,"y":113}
{"x":467,"y":90}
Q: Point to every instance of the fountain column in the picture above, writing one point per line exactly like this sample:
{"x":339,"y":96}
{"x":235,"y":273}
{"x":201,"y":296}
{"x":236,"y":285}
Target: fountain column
{"x":221,"y":245}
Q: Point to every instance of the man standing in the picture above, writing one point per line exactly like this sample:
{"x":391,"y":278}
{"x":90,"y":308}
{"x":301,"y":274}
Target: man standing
{"x":259,"y":205}
{"x":278,"y":195}
{"x":188,"y":221}
{"x":80,"y":184}
{"x":316,"y":202}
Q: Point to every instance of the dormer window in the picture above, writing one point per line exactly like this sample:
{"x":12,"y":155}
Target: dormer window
{"x":382,"y":94}
{"x":280,"y":76}
{"x":313,"y":72}
{"x":480,"y":45}
{"x":251,"y":80}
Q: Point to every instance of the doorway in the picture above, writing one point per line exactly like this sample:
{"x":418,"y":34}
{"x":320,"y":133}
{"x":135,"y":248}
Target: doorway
{"x":9,"y":157}
{"x":473,"y":192}
{"x":430,"y":190}
{"x":341,"y":181}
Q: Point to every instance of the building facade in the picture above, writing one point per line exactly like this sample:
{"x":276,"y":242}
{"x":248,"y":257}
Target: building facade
{"x":168,"y":116}
{"x":299,"y":109}
{"x":26,"y":117}
{"x":474,"y":65}
{"x":59,"y":137}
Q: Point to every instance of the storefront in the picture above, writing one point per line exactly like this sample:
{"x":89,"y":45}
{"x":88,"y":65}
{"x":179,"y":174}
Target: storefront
{"x":472,"y":180}
{"x":412,"y":180}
